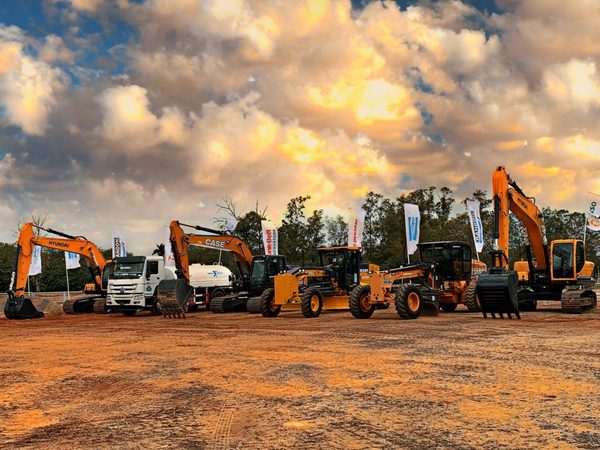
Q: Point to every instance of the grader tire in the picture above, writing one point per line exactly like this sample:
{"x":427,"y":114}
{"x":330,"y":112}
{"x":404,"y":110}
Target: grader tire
{"x":267,"y":307}
{"x":471,"y":300}
{"x":311,"y":303}
{"x":409,"y":301}
{"x":360,"y":307}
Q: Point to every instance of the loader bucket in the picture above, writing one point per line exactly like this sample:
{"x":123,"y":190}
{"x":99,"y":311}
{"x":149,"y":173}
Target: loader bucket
{"x":497,"y":293}
{"x":173,"y":296}
{"x":18,"y":308}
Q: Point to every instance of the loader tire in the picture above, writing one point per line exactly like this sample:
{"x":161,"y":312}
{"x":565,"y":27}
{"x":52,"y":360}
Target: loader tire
{"x":359,"y":302}
{"x":471,"y":301}
{"x":311,"y":303}
{"x":268,"y":308}
{"x":449,"y":307}
{"x":409,"y":301}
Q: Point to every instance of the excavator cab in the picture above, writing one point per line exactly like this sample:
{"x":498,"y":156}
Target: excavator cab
{"x":568,"y":259}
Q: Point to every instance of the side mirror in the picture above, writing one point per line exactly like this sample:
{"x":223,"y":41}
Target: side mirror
{"x":148,"y":276}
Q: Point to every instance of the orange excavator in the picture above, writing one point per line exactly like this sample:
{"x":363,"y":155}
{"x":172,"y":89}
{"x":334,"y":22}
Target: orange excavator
{"x":558,"y":271}
{"x":257,"y":272}
{"x":19,"y":307}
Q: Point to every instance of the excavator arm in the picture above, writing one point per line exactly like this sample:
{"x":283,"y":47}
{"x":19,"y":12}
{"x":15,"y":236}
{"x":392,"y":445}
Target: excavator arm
{"x":18,"y":306}
{"x":508,"y":196}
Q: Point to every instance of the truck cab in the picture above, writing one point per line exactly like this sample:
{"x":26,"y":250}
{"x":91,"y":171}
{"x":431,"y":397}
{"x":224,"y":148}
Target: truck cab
{"x":132,"y":284}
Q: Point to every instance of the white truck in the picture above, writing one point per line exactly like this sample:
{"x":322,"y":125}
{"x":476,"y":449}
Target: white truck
{"x":133,"y":282}
{"x":209,"y":281}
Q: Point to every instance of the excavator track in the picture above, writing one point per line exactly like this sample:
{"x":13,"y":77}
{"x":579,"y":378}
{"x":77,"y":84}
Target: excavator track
{"x":577,"y":301}
{"x":100,"y":306}
{"x":81,"y":305}
{"x":228,"y":303}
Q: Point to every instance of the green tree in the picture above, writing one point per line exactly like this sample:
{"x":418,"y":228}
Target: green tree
{"x":336,"y":229}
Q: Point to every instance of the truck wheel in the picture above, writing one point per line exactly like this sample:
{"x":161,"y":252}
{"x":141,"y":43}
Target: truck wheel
{"x":360,"y":302}
{"x":448,"y":307}
{"x":409,"y":301}
{"x":471,"y":300}
{"x":311,"y":303}
{"x":129,"y":312}
{"x":268,"y":308}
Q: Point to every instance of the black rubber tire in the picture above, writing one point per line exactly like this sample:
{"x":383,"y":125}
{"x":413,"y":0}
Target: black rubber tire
{"x":306,"y":303}
{"x":354,"y":302}
{"x":403,"y":307}
{"x":129,"y":312}
{"x":471,"y":301}
{"x":448,"y":307}
{"x":267,"y":309}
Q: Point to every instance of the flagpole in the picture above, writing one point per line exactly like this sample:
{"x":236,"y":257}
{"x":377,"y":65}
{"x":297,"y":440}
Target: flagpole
{"x":584,"y":227}
{"x":67,"y":271}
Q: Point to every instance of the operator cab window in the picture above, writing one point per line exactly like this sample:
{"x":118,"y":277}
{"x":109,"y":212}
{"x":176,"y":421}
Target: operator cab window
{"x":153,"y":267}
{"x":562,"y":260}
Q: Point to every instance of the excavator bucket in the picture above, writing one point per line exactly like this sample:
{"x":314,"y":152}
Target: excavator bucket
{"x":497,"y":294}
{"x":173,"y":297}
{"x":18,"y":308}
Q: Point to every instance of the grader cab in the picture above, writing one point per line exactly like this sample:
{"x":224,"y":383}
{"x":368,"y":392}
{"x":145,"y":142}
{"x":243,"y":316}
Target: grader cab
{"x":314,"y":289}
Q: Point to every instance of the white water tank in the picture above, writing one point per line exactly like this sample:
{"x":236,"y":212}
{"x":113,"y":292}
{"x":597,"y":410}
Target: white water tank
{"x":204,"y":275}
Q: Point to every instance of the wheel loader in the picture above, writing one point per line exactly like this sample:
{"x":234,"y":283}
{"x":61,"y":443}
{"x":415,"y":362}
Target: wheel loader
{"x":555,"y":272}
{"x":444,"y":278}
{"x":19,"y":307}
{"x":314,"y":289}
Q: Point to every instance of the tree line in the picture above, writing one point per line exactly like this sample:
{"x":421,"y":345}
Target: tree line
{"x":302,"y":232}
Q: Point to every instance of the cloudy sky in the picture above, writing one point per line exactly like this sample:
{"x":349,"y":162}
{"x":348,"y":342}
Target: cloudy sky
{"x":118,"y":114}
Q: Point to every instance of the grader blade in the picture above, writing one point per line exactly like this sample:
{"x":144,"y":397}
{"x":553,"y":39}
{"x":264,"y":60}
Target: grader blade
{"x":497,"y":293}
{"x":173,"y":296}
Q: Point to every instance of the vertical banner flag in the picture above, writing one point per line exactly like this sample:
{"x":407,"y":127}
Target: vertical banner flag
{"x":270,"y":238}
{"x":476,"y":225}
{"x":168,"y":252}
{"x":592,"y":213}
{"x":118,"y":248}
{"x":412,"y":219}
{"x":35,"y":267}
{"x":72,"y":260}
{"x":355,"y":229}
{"x":230,"y":225}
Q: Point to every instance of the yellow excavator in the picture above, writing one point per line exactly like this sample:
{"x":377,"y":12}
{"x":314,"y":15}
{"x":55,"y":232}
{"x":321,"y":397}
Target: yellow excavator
{"x":257,"y":272}
{"x":19,"y":307}
{"x":557,"y":272}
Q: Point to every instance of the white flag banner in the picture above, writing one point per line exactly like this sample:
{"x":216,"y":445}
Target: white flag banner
{"x":119,"y":247}
{"x":230,"y":225}
{"x":270,"y":238}
{"x":72,"y":260}
{"x":593,"y":212}
{"x":35,"y":267}
{"x":168,"y":251}
{"x":355,"y":229}
{"x":412,"y":222}
{"x":473,"y":210}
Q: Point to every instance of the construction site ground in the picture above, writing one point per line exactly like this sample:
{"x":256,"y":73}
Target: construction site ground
{"x":243,"y":381}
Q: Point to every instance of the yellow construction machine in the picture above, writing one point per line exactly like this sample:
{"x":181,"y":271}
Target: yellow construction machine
{"x":314,"y":289}
{"x":19,"y":307}
{"x":558,"y":271}
{"x":444,"y":278}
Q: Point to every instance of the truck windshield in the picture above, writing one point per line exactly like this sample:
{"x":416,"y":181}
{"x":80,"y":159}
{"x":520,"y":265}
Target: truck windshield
{"x":128,"y":270}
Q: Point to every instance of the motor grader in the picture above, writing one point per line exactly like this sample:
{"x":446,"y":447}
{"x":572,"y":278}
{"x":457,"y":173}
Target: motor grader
{"x":314,"y":289}
{"x":444,"y":278}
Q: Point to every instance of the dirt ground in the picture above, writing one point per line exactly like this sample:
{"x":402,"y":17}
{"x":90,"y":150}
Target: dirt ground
{"x":243,"y":381}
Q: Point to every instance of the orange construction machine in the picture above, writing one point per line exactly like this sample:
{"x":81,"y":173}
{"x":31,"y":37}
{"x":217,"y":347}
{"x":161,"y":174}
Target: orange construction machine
{"x":256,"y":271}
{"x":19,"y":307}
{"x":558,"y":271}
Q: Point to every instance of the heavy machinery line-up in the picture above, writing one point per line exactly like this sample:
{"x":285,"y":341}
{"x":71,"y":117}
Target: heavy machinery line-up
{"x":445,"y":277}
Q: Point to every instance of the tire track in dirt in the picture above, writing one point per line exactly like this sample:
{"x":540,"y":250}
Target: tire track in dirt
{"x":222,"y":434}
